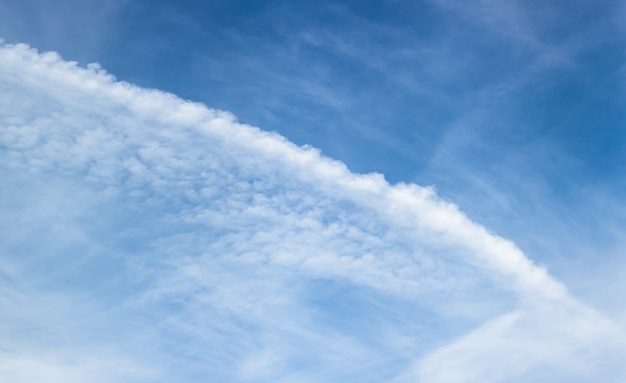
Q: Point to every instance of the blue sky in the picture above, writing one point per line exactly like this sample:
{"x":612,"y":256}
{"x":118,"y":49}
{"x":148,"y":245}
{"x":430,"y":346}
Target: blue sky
{"x":277,"y":191}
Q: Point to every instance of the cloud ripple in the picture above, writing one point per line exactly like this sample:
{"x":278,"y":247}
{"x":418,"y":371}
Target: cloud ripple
{"x":171,"y":242}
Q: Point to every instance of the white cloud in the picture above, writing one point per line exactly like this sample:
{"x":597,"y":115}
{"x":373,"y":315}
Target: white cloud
{"x":567,"y":341}
{"x":24,"y":369}
{"x":221,"y":240}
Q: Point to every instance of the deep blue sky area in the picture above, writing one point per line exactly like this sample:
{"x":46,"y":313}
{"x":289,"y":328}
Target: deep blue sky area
{"x":392,"y":77}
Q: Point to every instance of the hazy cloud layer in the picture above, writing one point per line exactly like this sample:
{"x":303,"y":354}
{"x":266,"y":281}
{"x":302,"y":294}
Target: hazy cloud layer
{"x":153,"y":239}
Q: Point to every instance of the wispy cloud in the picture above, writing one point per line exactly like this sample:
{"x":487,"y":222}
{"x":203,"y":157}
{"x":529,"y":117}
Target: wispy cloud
{"x":221,"y":242}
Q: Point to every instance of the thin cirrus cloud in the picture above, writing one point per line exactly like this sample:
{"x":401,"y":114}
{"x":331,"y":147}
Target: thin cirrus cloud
{"x":153,"y":239}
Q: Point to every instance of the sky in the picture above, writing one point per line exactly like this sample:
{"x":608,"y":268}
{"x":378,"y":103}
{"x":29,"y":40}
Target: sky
{"x":332,"y":191}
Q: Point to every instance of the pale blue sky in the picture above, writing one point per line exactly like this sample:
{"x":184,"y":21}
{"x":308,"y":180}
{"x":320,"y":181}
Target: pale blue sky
{"x":169,"y":242}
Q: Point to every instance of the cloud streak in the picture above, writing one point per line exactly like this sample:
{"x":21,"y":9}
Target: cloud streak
{"x":220,"y":242}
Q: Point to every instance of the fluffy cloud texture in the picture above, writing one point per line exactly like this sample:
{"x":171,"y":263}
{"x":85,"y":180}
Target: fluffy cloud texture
{"x":149,"y":238}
